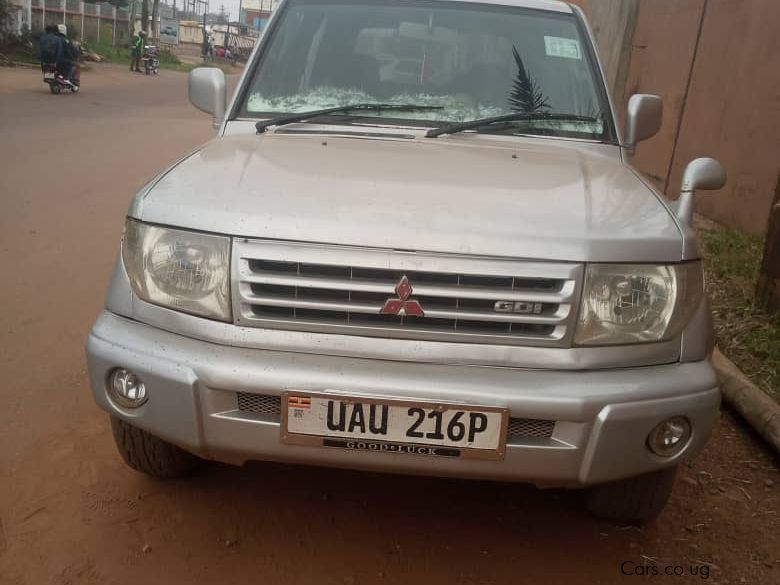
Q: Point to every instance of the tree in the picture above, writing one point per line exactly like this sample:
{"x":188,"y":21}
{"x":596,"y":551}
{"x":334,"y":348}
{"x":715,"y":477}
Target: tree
{"x":768,"y":289}
{"x":131,"y":21}
{"x":155,"y":14}
{"x":222,"y":17}
{"x":5,"y":17}
{"x":526,"y":96}
{"x":145,"y":15}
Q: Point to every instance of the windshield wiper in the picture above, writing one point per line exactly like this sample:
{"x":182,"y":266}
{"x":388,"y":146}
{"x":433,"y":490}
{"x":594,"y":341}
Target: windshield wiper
{"x":474,"y":124}
{"x":263,"y":125}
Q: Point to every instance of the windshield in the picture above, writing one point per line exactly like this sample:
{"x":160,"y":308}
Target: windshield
{"x":474,"y":61}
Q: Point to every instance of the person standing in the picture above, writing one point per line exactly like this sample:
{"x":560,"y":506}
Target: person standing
{"x":137,"y":51}
{"x":205,"y":46}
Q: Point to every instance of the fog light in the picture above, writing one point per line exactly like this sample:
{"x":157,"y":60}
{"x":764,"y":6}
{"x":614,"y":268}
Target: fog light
{"x":669,"y":437}
{"x":126,"y":388}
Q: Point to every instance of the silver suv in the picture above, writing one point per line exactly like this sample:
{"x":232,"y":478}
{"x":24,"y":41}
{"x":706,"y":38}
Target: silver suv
{"x":416,"y":245}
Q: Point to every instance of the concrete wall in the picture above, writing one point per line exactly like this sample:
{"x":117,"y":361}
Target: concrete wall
{"x":716,"y":63}
{"x":190,"y":32}
{"x":613,"y":23}
{"x":663,"y":48}
{"x":74,"y":19}
{"x":733,"y":109}
{"x":90,"y":31}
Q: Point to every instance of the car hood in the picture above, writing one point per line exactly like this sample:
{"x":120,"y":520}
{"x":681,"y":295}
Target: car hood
{"x":550,"y":199}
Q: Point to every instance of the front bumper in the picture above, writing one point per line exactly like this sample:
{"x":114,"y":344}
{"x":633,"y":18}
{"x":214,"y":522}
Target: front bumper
{"x":602,"y":417}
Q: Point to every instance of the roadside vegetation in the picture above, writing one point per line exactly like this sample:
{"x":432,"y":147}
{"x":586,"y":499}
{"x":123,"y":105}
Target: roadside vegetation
{"x":168,"y":60}
{"x":746,"y":334}
{"x":15,"y":48}
{"x":23,"y":49}
{"x":11,"y":54}
{"x":121,"y":54}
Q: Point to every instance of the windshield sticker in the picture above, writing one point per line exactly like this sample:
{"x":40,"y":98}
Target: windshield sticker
{"x":562,"y":47}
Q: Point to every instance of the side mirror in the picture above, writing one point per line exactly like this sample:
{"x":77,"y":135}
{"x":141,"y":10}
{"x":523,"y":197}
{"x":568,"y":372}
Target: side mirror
{"x":208,"y":91}
{"x":703,"y":173}
{"x":645,"y":114}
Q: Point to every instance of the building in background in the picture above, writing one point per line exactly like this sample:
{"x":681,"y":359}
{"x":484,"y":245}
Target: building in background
{"x":256,"y":13}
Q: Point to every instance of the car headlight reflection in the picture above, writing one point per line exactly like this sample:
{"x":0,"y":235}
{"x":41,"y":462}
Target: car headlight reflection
{"x":182,"y":270}
{"x":637,"y":303}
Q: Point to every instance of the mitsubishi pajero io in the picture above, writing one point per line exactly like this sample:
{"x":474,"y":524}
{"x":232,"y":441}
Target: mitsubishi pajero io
{"x":416,"y":245}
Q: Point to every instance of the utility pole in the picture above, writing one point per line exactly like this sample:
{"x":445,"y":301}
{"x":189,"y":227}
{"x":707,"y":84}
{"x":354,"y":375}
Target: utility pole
{"x":205,"y":37}
{"x":226,"y":41}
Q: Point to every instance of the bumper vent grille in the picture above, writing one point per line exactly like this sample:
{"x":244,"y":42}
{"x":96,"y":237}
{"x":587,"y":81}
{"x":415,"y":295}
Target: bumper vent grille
{"x":464,"y":300}
{"x":529,"y":427}
{"x":272,"y":406}
{"x":259,"y":404}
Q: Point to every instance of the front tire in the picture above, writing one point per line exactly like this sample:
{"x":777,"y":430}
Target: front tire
{"x":151,"y":455}
{"x":635,"y":500}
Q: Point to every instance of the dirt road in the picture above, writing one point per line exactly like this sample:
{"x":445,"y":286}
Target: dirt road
{"x":72,"y":513}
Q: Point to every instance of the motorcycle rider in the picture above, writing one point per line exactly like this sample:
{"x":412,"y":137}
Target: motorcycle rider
{"x":50,"y":46}
{"x":138,"y":49}
{"x":69,"y":56}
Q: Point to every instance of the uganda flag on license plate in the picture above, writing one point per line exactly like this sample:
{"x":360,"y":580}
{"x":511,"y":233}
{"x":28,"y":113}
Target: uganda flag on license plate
{"x":298,"y":402}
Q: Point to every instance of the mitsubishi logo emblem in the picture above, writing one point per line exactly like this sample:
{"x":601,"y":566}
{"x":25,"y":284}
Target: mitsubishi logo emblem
{"x":402,"y":305}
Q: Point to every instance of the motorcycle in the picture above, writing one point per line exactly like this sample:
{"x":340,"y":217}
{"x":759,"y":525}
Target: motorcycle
{"x":151,"y":59}
{"x":57,"y":82}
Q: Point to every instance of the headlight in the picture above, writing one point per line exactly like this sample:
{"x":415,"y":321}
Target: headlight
{"x":637,"y":303}
{"x":182,"y":270}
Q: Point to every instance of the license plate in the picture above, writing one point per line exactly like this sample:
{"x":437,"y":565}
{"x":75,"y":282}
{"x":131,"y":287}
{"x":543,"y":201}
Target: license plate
{"x":394,"y":426}
{"x":48,"y":75}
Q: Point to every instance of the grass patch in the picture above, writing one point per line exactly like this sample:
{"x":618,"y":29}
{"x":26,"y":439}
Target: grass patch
{"x":105,"y":50}
{"x":749,"y":336}
{"x":170,"y":61}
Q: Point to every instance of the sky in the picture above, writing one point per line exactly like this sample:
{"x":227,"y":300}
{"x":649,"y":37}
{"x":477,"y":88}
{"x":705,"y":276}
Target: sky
{"x":230,"y":5}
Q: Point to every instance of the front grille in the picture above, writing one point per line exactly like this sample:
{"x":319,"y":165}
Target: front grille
{"x":519,"y":428}
{"x":343,"y":290}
